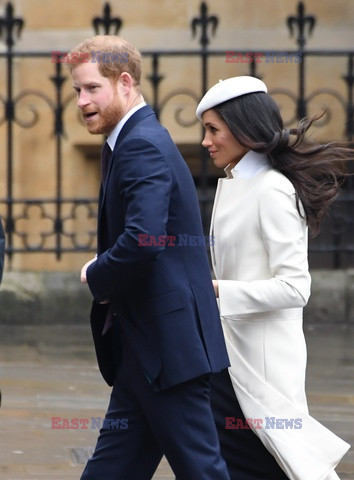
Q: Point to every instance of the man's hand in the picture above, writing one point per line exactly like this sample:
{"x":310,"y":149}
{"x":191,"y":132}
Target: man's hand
{"x":216,"y":288}
{"x":84,"y":269}
{"x":83,"y":277}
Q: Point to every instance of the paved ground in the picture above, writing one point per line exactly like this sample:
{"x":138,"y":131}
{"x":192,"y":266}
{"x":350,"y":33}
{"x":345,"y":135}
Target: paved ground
{"x":50,"y":371}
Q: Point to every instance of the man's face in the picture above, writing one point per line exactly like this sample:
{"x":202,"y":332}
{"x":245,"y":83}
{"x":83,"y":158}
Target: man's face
{"x":98,"y":98}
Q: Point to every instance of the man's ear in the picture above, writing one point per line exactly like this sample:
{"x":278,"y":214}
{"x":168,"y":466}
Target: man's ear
{"x":125,"y":82}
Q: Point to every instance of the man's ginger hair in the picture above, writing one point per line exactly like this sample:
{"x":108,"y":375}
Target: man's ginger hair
{"x":113,"y":55}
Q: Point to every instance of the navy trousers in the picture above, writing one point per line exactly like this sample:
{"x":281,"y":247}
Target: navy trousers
{"x":142,"y":425}
{"x":245,"y":455}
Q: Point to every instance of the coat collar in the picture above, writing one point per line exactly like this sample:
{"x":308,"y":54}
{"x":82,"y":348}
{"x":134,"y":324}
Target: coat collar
{"x":249,"y":166}
{"x":112,"y":138}
{"x":137,"y":117}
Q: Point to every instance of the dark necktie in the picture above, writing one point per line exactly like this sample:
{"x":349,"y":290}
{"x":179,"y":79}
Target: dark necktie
{"x":105,"y":159}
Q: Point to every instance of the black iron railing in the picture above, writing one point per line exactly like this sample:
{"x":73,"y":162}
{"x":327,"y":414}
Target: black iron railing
{"x":56,"y":215}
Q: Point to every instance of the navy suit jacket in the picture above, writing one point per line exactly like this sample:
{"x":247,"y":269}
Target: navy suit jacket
{"x":152,"y":263}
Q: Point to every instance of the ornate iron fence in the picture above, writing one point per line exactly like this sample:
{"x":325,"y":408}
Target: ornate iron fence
{"x":58,"y":212}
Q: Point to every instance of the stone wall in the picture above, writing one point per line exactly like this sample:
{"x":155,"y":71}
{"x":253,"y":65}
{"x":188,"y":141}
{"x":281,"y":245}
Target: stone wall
{"x":42,"y":298}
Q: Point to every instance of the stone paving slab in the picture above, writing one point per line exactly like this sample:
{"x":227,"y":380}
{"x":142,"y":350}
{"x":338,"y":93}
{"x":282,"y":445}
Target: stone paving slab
{"x":50,"y":371}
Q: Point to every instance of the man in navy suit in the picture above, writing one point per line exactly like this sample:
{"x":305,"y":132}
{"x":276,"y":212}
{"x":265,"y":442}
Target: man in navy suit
{"x":154,"y":316}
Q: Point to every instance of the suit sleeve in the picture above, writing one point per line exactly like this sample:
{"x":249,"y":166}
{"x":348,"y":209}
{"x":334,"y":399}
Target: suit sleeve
{"x":284,"y":234}
{"x":2,"y":250}
{"x":144,"y":181}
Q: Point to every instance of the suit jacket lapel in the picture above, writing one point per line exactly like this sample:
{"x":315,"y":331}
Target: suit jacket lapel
{"x":137,"y":117}
{"x":127,"y":127}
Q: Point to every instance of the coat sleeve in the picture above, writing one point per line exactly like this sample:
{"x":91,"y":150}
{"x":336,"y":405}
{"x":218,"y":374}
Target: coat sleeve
{"x":144,"y":181}
{"x":284,"y":234}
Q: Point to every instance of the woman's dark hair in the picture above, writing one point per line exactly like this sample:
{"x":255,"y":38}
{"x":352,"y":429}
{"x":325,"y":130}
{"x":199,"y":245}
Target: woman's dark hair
{"x":316,"y":170}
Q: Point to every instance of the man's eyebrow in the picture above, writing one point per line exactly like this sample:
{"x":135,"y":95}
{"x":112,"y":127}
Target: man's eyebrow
{"x":87,"y":84}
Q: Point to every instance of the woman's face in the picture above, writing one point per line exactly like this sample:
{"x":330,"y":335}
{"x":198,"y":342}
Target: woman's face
{"x":223,"y":147}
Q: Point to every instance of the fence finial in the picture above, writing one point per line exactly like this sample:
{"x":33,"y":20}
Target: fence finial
{"x":204,"y":20}
{"x":10,"y":24}
{"x":301,"y":20}
{"x":107,"y":22}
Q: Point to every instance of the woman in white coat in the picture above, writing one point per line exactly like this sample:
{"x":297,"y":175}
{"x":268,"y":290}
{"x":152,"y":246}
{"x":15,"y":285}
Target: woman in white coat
{"x":276,"y":187}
